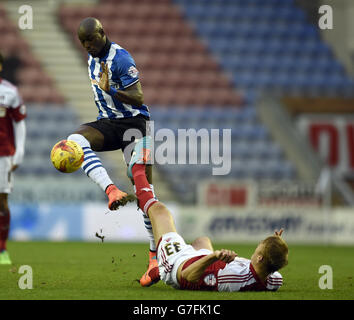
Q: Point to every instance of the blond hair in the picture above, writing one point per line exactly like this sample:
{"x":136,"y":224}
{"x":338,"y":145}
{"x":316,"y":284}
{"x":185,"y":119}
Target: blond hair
{"x":275,"y":253}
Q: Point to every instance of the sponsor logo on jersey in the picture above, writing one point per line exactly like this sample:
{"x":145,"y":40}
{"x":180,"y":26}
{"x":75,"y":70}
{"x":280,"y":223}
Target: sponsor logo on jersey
{"x":133,"y":72}
{"x":210,"y":280}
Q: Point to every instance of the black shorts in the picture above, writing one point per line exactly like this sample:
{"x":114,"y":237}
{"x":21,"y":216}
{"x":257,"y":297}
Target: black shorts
{"x":116,"y":131}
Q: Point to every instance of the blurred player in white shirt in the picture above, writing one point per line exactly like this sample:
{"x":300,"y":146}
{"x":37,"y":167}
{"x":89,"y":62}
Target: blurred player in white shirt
{"x":12,"y":145}
{"x":199,"y":266}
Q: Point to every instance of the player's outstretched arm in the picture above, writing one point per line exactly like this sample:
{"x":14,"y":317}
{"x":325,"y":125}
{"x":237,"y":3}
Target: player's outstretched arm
{"x":20,"y":138}
{"x":194,"y":271}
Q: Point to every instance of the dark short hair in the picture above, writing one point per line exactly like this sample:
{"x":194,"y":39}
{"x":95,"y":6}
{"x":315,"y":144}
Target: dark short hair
{"x":1,"y":59}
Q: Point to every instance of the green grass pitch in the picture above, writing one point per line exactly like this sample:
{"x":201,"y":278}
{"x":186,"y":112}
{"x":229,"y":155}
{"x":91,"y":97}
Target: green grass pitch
{"x":82,"y":271}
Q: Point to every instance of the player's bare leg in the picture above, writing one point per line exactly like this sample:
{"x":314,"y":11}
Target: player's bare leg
{"x":4,"y":228}
{"x":147,"y":223}
{"x":160,"y":217}
{"x":202,"y":243}
{"x":145,"y":173}
{"x":145,"y":279}
{"x":91,"y":139}
{"x":147,"y":202}
{"x":146,"y":199}
{"x":161,"y":220}
{"x":162,"y":223}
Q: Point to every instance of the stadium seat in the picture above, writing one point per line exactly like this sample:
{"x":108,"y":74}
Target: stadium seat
{"x":164,"y":46}
{"x":288,"y":36}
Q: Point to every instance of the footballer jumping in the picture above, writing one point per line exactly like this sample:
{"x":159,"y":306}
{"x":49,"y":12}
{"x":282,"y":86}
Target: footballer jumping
{"x":119,"y":99}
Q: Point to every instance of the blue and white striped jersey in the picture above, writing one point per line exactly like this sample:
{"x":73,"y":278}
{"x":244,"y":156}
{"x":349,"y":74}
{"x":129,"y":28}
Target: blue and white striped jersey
{"x":122,"y":74}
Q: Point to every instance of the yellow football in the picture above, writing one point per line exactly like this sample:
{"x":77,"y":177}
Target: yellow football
{"x":67,"y":156}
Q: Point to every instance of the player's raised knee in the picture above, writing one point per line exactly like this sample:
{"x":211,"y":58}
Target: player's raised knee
{"x":202,"y":243}
{"x":158,"y":209}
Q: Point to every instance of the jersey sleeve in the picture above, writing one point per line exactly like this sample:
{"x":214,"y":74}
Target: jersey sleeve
{"x":274,"y":281}
{"x":126,"y":69}
{"x":17,"y":108}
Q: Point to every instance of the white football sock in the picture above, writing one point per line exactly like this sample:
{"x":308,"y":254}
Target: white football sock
{"x":92,"y":164}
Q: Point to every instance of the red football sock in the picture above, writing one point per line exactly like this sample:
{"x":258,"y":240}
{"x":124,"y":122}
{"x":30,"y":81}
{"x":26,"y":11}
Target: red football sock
{"x":143,"y":190}
{"x":4,"y":228}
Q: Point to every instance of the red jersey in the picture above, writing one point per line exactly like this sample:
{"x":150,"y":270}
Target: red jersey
{"x":207,"y":281}
{"x":238,"y":275}
{"x":11,"y":109}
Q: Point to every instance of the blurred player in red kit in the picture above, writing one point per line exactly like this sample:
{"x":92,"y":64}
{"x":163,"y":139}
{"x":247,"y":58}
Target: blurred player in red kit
{"x":198,"y":266}
{"x":12,"y":145}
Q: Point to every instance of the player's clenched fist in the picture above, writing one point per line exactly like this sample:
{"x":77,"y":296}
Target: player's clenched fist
{"x":225,"y":255}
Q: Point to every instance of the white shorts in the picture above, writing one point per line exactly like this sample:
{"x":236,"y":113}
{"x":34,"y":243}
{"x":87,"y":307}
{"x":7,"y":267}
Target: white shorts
{"x":6,"y":179}
{"x":172,"y":251}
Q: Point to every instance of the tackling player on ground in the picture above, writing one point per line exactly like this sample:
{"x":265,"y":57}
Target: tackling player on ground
{"x":119,"y":98}
{"x":12,"y":147}
{"x":199,"y":266}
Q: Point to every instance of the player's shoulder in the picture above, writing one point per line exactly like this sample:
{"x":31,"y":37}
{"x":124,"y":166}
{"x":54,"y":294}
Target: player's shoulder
{"x":238,"y":267}
{"x":234,"y":275}
{"x":9,"y":90}
{"x":242,"y":263}
{"x":275,"y":275}
{"x":121,"y":54}
{"x":116,"y":46}
{"x":274,"y":281}
{"x":8,"y":86}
